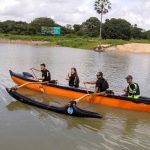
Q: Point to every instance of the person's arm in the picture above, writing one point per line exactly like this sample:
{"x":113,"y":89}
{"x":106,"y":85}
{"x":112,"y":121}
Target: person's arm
{"x":96,"y":90}
{"x":92,"y":82}
{"x":126,"y":90}
{"x":36,"y":69}
{"x":68,"y":76}
{"x":41,"y":78}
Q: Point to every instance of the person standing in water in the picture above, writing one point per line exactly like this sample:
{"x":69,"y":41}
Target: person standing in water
{"x":73,"y":78}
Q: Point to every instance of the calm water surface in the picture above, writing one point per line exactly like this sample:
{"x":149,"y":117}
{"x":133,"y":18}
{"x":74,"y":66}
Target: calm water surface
{"x":23,"y":127}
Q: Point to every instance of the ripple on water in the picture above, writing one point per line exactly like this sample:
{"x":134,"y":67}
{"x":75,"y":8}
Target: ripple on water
{"x":38,"y":129}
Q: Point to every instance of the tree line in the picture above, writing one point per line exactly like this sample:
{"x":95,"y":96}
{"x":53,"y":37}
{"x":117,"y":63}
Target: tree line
{"x":32,"y":28}
{"x":112,"y":28}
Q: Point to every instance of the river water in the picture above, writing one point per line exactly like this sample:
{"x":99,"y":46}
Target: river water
{"x":23,"y":127}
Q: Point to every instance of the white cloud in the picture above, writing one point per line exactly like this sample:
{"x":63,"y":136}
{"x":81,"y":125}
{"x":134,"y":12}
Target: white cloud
{"x":74,"y":11}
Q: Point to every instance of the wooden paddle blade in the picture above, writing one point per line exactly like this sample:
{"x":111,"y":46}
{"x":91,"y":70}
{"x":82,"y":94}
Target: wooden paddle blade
{"x":82,"y":97}
{"x":42,"y":88}
{"x":46,"y":82}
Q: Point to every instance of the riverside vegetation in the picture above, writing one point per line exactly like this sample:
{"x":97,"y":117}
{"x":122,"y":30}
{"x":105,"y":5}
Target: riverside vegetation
{"x":69,"y":40}
{"x":84,"y":36}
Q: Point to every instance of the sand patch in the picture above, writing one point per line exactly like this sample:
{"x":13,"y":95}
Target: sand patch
{"x":132,"y":47}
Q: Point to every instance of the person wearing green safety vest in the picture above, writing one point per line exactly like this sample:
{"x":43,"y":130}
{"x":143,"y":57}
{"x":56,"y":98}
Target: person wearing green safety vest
{"x":133,"y":90}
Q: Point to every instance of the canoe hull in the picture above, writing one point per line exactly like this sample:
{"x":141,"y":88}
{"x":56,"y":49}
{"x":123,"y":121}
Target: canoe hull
{"x":113,"y":101}
{"x":75,"y":111}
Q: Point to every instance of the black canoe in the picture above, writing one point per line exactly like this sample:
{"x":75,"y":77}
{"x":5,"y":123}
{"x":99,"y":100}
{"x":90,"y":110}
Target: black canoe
{"x":71,"y":110}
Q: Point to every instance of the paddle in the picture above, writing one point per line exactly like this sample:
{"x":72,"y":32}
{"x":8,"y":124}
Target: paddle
{"x":92,"y":96}
{"x":27,"y":74}
{"x":82,"y":97}
{"x":34,"y":74}
{"x":31,"y":76}
{"x":86,"y":95}
{"x":86,"y":88}
{"x":41,"y":87}
{"x":25,"y":84}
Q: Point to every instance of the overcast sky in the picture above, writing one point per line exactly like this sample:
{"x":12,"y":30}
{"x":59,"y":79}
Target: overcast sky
{"x":74,"y":11}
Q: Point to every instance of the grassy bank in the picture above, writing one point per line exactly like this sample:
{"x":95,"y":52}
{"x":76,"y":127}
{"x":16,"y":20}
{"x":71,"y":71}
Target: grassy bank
{"x":69,"y":40}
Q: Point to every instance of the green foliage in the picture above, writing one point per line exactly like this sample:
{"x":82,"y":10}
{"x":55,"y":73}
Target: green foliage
{"x":37,"y":23}
{"x":137,"y":33}
{"x":102,"y":6}
{"x":76,"y":27}
{"x":112,"y":29}
{"x":13,"y":27}
{"x":147,"y":34}
{"x":90,"y":27}
{"x":70,"y":40}
{"x":117,"y":29}
{"x":33,"y":28}
{"x":66,"y":30}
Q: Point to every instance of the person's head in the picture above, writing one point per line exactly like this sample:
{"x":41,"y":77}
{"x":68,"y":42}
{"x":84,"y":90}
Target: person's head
{"x":99,"y":75}
{"x":129,"y":79}
{"x":73,"y":70}
{"x":42,"y":66}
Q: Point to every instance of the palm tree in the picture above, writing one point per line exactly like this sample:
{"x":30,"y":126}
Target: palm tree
{"x":102,"y":7}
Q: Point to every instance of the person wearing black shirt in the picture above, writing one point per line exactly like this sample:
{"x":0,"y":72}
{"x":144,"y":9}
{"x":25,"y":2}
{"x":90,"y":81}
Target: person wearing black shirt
{"x":101,"y":84}
{"x":73,"y":78}
{"x":46,"y":76}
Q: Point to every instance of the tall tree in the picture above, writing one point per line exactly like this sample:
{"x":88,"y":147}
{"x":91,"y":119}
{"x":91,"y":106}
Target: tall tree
{"x":137,"y":33}
{"x":117,"y":29}
{"x":76,"y":27}
{"x":147,"y":34}
{"x":42,"y":22}
{"x":102,"y":7}
{"x":90,"y":27}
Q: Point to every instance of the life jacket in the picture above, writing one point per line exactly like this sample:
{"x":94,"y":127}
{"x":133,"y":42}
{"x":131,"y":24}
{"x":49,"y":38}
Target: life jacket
{"x":134,"y":93}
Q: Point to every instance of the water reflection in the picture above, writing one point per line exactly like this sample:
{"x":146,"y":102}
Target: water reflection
{"x":42,"y":114}
{"x":34,"y":128}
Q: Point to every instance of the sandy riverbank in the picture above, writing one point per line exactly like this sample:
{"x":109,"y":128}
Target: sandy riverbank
{"x":132,"y":47}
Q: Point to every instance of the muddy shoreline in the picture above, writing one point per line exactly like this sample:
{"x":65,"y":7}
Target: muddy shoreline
{"x":131,"y":47}
{"x":26,"y":42}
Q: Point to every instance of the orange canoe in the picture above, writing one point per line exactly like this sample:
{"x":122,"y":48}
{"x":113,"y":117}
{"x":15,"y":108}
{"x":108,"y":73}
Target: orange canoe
{"x":141,"y":104}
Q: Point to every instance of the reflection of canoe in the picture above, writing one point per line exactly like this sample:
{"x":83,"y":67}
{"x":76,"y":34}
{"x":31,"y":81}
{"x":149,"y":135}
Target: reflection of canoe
{"x":141,"y":104}
{"x":71,"y":110}
{"x":16,"y":105}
